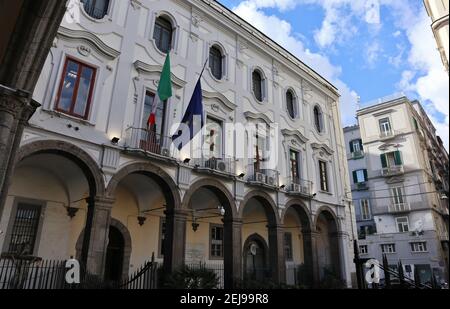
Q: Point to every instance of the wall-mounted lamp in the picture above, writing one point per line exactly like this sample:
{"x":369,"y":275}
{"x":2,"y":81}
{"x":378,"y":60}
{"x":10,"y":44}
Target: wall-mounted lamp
{"x":195,"y":225}
{"x":72,"y":211}
{"x":444,"y":197}
{"x":115,"y":140}
{"x":241,"y":175}
{"x":186,"y":161}
{"x":141,"y":220}
{"x":282,"y":187}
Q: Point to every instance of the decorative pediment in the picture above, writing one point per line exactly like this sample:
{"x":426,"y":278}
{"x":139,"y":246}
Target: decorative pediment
{"x":220,"y":97}
{"x":258,"y":116}
{"x":386,"y":146}
{"x":323,"y":147}
{"x":395,"y":180}
{"x":143,"y":67}
{"x":90,"y":40}
{"x":295,"y":134}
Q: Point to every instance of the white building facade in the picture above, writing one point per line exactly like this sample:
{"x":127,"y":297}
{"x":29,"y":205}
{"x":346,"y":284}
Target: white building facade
{"x":407,"y":202}
{"x":93,"y":182}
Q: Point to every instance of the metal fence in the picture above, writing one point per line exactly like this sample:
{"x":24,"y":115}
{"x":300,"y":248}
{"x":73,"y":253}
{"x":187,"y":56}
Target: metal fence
{"x":32,"y":274}
{"x":218,"y":269}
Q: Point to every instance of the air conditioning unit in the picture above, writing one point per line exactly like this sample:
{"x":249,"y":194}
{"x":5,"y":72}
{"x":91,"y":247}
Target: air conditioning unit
{"x":165,"y":152}
{"x":221,"y":166}
{"x":271,"y":181}
{"x":295,"y":187}
{"x":260,"y":177}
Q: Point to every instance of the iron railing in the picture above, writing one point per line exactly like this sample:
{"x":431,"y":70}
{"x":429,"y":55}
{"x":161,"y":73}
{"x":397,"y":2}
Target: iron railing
{"x":392,"y":170}
{"x":299,"y":186}
{"x":218,"y":269}
{"x":144,"y":278}
{"x":399,"y":207}
{"x":32,"y":273}
{"x":149,"y":141}
{"x":221,"y":165}
{"x":357,"y":154}
{"x":256,"y":174}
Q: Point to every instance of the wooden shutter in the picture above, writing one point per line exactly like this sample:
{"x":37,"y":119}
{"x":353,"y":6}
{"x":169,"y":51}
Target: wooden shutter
{"x":383,"y":160}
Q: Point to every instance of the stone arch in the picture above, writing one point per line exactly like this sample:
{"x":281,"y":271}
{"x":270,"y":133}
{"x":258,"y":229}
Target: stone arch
{"x":329,"y":214}
{"x":219,"y":189}
{"x":90,"y":168}
{"x":166,"y":183}
{"x":268,"y":203}
{"x":300,"y":208}
{"x":127,"y":245}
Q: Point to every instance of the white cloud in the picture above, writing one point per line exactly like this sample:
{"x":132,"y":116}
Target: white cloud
{"x":281,"y":31}
{"x":373,"y":50}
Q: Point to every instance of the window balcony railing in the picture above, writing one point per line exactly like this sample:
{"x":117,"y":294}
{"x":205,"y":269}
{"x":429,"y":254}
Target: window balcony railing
{"x":299,"y":186}
{"x":149,"y":141}
{"x":259,"y":175}
{"x":399,"y":207}
{"x":357,"y":154}
{"x":392,"y":170}
{"x":362,"y":186}
{"x":388,"y":134}
{"x":215,"y":165}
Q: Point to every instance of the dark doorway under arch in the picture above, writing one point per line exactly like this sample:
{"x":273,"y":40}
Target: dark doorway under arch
{"x":256,"y":258}
{"x":114,"y":255}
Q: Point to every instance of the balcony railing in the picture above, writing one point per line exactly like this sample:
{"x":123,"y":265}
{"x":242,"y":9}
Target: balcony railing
{"x":299,"y":186}
{"x":357,"y":154}
{"x":388,"y":134}
{"x":399,"y":207}
{"x":256,"y":174}
{"x":149,"y":141}
{"x":392,"y":170}
{"x":218,"y":165}
{"x":362,"y":186}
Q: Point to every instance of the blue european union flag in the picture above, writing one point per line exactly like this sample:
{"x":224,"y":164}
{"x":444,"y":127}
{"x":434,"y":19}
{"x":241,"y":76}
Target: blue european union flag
{"x":192,"y":119}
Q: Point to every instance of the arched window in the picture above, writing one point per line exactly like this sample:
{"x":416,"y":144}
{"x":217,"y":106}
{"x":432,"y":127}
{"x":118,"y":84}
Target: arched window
{"x":257,"y":85}
{"x":216,"y":62}
{"x":290,"y":103}
{"x":96,"y":8}
{"x":318,"y":118}
{"x":163,"y":34}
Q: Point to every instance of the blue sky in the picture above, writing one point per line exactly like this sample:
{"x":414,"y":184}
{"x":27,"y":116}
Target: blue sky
{"x":367,"y":48}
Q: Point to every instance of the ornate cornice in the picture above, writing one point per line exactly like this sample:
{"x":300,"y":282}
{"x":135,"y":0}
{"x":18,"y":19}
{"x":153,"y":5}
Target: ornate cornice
{"x":216,"y":95}
{"x":324,"y":147}
{"x":294,"y":133}
{"x":143,"y":67}
{"x":89,"y":38}
{"x":258,"y":116}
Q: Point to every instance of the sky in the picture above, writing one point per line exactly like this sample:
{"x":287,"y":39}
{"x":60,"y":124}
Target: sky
{"x":367,"y":48}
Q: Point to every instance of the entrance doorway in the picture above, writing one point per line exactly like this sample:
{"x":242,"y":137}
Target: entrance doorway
{"x":114,"y":255}
{"x":255,"y":259}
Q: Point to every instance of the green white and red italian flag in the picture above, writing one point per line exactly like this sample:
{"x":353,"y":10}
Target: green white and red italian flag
{"x":164,"y":92}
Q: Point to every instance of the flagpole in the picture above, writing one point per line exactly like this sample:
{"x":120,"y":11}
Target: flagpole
{"x":204,"y":67}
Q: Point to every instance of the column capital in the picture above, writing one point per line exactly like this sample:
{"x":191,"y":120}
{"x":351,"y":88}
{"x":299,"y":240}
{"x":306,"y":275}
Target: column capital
{"x":13,"y":101}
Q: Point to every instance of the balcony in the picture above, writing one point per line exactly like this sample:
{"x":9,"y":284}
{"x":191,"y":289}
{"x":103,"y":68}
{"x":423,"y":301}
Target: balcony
{"x":218,"y":166}
{"x":388,"y":134}
{"x":399,"y":207}
{"x":149,"y":142}
{"x":392,"y":171}
{"x":261,"y":176}
{"x":301,"y":187}
{"x":360,"y":186}
{"x":357,"y":154}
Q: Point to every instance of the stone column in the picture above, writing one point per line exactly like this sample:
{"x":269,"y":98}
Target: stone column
{"x":341,"y":239}
{"x":232,"y":252}
{"x":312,"y":263}
{"x":16,"y":108}
{"x":95,"y":241}
{"x":175,"y":239}
{"x":276,"y":253}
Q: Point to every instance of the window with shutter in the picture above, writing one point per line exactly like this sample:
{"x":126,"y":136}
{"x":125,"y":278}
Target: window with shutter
{"x":257,"y":85}
{"x":383,"y":160}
